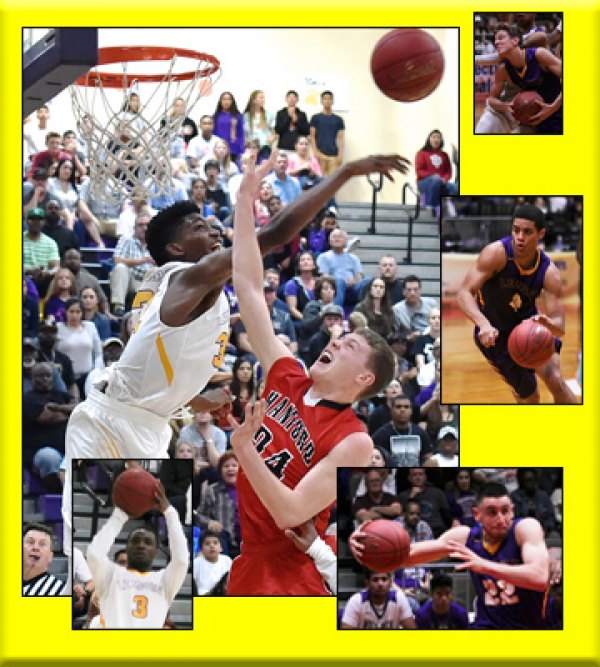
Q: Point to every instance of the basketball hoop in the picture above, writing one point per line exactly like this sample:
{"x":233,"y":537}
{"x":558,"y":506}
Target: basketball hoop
{"x":130,"y":149}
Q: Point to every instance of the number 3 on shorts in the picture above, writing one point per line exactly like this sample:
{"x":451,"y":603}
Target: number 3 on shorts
{"x":220,"y":356}
{"x":141,"y":606}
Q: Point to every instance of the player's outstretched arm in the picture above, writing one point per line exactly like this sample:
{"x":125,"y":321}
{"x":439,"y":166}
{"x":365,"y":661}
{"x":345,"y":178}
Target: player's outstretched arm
{"x":248,"y":274}
{"x":491,"y":260}
{"x":554,"y":318}
{"x":294,"y":217}
{"x":200,"y":284}
{"x":533,"y":574}
{"x":421,"y":553}
{"x":97,"y":551}
{"x":177,"y":568}
{"x":315,"y":491}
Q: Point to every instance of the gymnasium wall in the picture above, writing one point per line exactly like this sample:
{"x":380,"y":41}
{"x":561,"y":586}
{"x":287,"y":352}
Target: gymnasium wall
{"x":312,"y":60}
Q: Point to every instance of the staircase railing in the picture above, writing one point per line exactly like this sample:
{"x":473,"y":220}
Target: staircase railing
{"x":376,"y":187}
{"x":411,"y":218}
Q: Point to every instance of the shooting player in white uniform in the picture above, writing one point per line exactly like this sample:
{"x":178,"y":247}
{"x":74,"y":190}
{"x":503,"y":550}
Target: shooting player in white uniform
{"x":136,"y":597}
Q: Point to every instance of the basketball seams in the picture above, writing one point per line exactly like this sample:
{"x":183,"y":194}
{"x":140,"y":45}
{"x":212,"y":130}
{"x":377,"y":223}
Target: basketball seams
{"x":407,"y":64}
{"x":531,"y":348}
{"x":387,"y":544}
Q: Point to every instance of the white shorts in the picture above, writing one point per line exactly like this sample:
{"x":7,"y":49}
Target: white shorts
{"x":102,"y":428}
{"x":495,"y":122}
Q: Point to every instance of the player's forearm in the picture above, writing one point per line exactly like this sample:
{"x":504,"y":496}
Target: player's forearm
{"x":246,"y":256}
{"x":556,"y":326}
{"x":488,"y":59}
{"x":529,"y":575}
{"x":428,"y":551}
{"x":498,"y":105}
{"x":99,"y":547}
{"x":294,"y":217}
{"x":177,"y":542}
{"x":468,"y":304}
{"x":281,"y":502}
{"x":180,"y":557}
{"x":325,"y":562}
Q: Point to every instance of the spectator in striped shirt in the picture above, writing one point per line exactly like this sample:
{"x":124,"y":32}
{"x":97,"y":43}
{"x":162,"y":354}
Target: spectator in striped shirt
{"x":37,"y":556}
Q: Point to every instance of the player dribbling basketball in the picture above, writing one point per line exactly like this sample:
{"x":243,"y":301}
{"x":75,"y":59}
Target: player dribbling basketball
{"x":507,"y":558}
{"x":499,"y":292}
{"x":136,"y":597}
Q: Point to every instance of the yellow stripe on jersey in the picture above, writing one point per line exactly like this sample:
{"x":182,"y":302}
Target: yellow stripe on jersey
{"x":533,"y":269}
{"x":110,"y":443}
{"x":164,"y":359}
{"x":489,"y":547}
{"x":141,"y":298}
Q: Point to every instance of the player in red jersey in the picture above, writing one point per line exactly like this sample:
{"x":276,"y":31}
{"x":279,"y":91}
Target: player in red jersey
{"x":292,"y":442}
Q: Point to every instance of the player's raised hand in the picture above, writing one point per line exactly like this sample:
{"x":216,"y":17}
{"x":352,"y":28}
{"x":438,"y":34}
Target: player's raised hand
{"x":242,"y":433}
{"x":380,"y":164}
{"x":487,"y":335}
{"x":303,"y":536}
{"x":162,"y":502}
{"x":254,"y":175}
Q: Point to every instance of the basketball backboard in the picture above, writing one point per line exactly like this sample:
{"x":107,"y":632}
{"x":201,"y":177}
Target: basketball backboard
{"x":52,"y":59}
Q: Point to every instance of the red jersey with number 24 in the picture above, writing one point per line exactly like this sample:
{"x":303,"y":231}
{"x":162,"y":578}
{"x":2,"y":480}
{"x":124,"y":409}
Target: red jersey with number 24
{"x":293,"y":438}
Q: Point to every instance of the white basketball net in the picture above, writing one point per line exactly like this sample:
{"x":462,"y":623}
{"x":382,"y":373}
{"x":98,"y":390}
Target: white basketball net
{"x":131,"y":152}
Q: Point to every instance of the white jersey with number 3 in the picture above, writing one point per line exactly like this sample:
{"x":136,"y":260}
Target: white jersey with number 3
{"x":132,"y":599}
{"x":163,"y":367}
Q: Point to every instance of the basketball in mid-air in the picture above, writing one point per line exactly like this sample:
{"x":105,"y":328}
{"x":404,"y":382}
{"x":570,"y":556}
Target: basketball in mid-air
{"x":526,"y":105}
{"x":386,"y":546}
{"x":407,"y":64}
{"x":134,"y":492}
{"x":531,"y":344}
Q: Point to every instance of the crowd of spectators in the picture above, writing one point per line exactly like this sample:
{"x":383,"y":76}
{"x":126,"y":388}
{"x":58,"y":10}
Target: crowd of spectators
{"x":428,"y":501}
{"x":485,"y":25}
{"x":315,"y":287}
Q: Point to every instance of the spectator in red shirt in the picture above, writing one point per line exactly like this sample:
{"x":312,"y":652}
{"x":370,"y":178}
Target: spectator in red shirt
{"x":434,"y":170}
{"x":55,"y":153}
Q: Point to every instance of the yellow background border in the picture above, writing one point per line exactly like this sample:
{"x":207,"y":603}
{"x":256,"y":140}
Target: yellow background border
{"x":36,"y":630}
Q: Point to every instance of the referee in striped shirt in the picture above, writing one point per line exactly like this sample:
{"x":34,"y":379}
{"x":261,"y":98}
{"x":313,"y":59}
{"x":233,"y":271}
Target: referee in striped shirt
{"x":37,"y":556}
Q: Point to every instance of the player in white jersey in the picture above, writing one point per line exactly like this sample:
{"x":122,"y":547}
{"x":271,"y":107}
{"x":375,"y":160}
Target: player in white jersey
{"x":136,"y":597}
{"x":378,"y":607}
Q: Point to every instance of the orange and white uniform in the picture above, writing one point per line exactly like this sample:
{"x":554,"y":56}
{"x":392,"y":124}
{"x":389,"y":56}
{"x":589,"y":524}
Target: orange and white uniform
{"x":132,"y":599}
{"x":161,"y":369}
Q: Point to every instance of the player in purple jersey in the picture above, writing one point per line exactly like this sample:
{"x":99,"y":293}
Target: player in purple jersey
{"x":499,"y":292}
{"x":507,"y":558}
{"x":530,"y":69}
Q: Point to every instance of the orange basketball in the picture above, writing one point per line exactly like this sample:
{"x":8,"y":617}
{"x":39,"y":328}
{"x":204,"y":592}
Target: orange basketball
{"x":531,"y":344}
{"x":407,"y":64}
{"x":134,"y":492}
{"x":387,"y":545}
{"x":526,"y":105}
